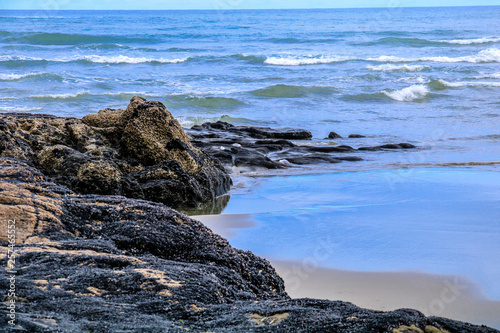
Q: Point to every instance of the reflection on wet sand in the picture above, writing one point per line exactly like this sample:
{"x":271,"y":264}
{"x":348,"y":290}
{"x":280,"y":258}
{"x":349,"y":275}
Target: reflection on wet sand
{"x":435,"y":295}
{"x":214,"y":207}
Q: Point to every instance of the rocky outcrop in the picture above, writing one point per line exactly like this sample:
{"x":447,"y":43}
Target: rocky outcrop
{"x":95,"y":263}
{"x":84,"y":258}
{"x":140,"y":152}
{"x":242,"y":146}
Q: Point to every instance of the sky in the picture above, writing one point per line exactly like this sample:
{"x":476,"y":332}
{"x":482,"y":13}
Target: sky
{"x":230,"y":4}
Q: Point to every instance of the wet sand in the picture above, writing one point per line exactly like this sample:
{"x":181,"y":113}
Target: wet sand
{"x":453,"y":297}
{"x":434,"y":295}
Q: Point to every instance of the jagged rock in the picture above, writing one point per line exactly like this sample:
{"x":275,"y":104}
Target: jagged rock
{"x":94,"y":263}
{"x":356,"y":136}
{"x":140,"y":152}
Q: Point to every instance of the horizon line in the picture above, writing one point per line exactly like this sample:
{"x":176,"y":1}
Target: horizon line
{"x":235,"y":9}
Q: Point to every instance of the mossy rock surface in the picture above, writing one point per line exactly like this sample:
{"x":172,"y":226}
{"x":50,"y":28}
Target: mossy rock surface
{"x":103,"y":153}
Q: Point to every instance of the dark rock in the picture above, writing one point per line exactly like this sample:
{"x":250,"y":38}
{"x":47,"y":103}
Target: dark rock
{"x":249,"y":157}
{"x":220,"y":139}
{"x":220,"y":125}
{"x":141,"y":152}
{"x":349,"y":158}
{"x":257,"y":132}
{"x":312,"y":159}
{"x":269,"y":133}
{"x":334,"y":135}
{"x":93,"y":263}
{"x":331,"y":149}
{"x":356,"y":136}
{"x":389,"y":146}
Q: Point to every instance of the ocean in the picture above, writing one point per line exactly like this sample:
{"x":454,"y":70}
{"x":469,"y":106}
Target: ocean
{"x":427,"y":76}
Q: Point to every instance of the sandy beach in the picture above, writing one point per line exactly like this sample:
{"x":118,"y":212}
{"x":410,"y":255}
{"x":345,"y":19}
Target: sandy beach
{"x":448,"y":296}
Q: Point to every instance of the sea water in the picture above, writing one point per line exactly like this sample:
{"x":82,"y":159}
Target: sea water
{"x":428,"y":76}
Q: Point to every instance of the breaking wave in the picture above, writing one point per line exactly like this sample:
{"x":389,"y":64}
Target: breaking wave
{"x":120,"y":59}
{"x":397,"y":68}
{"x":61,"y":96}
{"x":409,"y":94}
{"x":17,"y":77}
{"x":298,"y":61}
{"x":484,"y":56}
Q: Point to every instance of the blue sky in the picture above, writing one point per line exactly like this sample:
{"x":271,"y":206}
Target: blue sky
{"x":230,"y":4}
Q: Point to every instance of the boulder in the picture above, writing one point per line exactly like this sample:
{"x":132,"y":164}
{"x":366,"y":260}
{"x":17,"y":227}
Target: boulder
{"x":141,"y":152}
{"x":334,"y":135}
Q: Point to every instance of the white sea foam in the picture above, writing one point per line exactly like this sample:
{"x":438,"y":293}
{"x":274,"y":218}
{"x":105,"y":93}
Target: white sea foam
{"x":97,"y":59}
{"x":11,"y":77}
{"x":472,"y":41}
{"x":484,"y":56}
{"x":409,"y":94}
{"x":129,"y":60}
{"x":16,"y":58}
{"x":396,"y":68}
{"x":62,"y":96}
{"x":468,"y":84}
{"x":390,"y":59}
{"x":298,"y":61}
{"x":16,"y":109}
{"x":414,"y":78}
{"x":488,"y":76}
{"x":488,"y":55}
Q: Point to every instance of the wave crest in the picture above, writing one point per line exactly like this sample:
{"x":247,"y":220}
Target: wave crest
{"x":119,"y":59}
{"x":482,"y":40}
{"x":298,"y":61}
{"x":61,"y":96}
{"x":408,"y":94}
{"x":17,"y":77}
{"x":396,"y":68}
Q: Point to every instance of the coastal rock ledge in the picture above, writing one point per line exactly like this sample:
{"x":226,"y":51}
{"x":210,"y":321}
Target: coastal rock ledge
{"x":140,"y":152}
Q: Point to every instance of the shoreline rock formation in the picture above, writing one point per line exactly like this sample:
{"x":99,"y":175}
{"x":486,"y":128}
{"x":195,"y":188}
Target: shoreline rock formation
{"x":236,"y":146}
{"x":140,"y":152}
{"x":101,"y":262}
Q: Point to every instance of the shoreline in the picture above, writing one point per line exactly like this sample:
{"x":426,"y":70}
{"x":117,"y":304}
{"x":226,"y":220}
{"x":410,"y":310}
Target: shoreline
{"x":450,"y":296}
{"x":433,"y":294}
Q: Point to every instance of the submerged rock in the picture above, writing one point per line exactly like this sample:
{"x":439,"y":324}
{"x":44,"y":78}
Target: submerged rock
{"x":141,"y":152}
{"x":95,"y":263}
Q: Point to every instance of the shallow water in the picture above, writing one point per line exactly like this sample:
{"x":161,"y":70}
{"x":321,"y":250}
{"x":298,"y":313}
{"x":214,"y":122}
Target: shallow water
{"x":433,"y":220}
